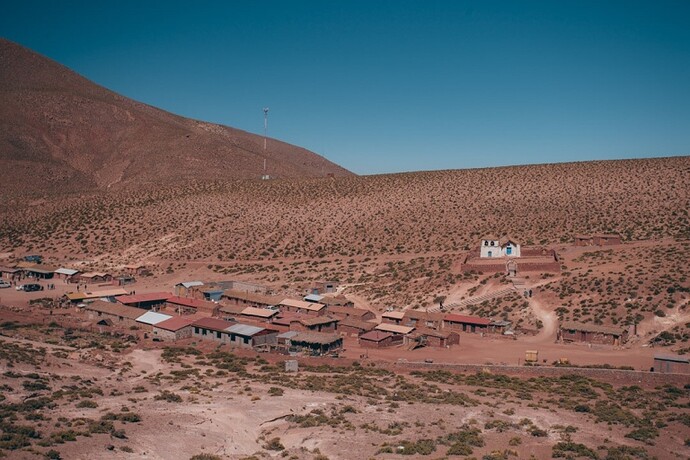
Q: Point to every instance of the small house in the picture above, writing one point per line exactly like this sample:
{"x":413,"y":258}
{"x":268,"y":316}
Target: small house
{"x":379,"y":339}
{"x":572,"y":331}
{"x":466,"y":323}
{"x":248,"y":299}
{"x":175,"y":328}
{"x":246,"y":336}
{"x":264,"y":315}
{"x":669,"y":364}
{"x":420,"y":318}
{"x":354,"y":327}
{"x":151,"y":318}
{"x":147,"y":301}
{"x":187,"y":306}
{"x":337,"y":301}
{"x":185,"y":288}
{"x":95,"y":277}
{"x":394,"y":328}
{"x":350,"y":312}
{"x":120,"y":315}
{"x":434,"y":338}
{"x":492,"y":247}
{"x":393,"y":317}
{"x":604,"y":239}
{"x":68,"y":274}
{"x":302,"y":307}
{"x":211,"y":329}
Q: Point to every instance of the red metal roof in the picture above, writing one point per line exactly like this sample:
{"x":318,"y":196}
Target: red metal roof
{"x":213,"y":324}
{"x":467,"y":319}
{"x":146,"y":297}
{"x":175,"y":323}
{"x":192,"y":303}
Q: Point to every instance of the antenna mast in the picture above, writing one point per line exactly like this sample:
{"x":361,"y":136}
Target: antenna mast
{"x":265,"y":125}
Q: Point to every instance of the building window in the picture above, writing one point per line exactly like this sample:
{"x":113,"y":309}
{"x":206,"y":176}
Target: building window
{"x":486,"y":243}
{"x":492,"y":243}
{"x":509,"y":250}
{"x":218,"y":334}
{"x":196,"y":330}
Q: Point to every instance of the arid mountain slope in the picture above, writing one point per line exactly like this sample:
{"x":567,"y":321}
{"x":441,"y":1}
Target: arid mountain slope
{"x":415,"y":213}
{"x":59,"y":130}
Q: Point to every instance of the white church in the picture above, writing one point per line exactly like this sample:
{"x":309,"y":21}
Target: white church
{"x":493,"y":247}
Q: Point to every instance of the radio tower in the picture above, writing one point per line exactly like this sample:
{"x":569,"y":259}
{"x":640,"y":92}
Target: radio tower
{"x":265,"y":125}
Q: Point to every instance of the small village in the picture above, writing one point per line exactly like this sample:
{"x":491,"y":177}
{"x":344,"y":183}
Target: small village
{"x":322,"y":322}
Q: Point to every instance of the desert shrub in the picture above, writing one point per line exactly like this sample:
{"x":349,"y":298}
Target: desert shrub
{"x":563,"y":449}
{"x":87,"y":404}
{"x":644,"y":434}
{"x":205,"y":457}
{"x":274,"y":444}
{"x":275,"y":391}
{"x":168,"y":396}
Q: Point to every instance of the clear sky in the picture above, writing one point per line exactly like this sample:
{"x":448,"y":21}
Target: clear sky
{"x":388,"y":86}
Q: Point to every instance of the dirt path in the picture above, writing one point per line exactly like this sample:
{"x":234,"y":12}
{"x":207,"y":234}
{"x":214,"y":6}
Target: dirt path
{"x":548,"y":318}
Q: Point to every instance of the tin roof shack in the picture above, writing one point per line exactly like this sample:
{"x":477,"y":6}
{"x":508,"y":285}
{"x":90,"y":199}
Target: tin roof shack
{"x":420,"y":318}
{"x":147,"y":301}
{"x":67,"y":274}
{"x":434,"y":338}
{"x":186,"y":306}
{"x":302,"y":307}
{"x":354,"y":327}
{"x":175,"y":328}
{"x":350,"y":312}
{"x":667,"y":364}
{"x":316,"y":343}
{"x":572,"y":331}
{"x":211,"y":329}
{"x":393,"y":317}
{"x":466,"y":323}
{"x":185,"y":288}
{"x":379,"y":339}
{"x":263,"y":315}
{"x":151,"y":318}
{"x":120,"y":315}
{"x":246,"y":336}
{"x":112,"y":294}
{"x":248,"y":299}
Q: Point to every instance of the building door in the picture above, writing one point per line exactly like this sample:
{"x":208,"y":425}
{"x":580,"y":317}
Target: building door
{"x":490,"y":254}
{"x":509,"y":250}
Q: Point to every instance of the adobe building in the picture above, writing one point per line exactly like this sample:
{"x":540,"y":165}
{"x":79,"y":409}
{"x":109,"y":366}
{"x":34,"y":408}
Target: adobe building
{"x":380,"y":339}
{"x":175,"y":328}
{"x":572,"y":331}
{"x":302,"y":307}
{"x":434,"y":338}
{"x":668,"y":364}
{"x":420,"y":318}
{"x":354,"y":327}
{"x":463,"y":323}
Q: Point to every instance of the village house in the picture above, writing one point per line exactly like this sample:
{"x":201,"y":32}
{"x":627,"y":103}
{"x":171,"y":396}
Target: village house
{"x":95,"y":277}
{"x":466,"y":323}
{"x":230,"y":312}
{"x":434,"y":338}
{"x":248,"y":299}
{"x":353,"y":327}
{"x":187,"y":306}
{"x":394,"y":328}
{"x":211,"y":329}
{"x":265,"y":315}
{"x":324,"y":287}
{"x":151,"y":318}
{"x":350,"y":312}
{"x":420,"y":318}
{"x":175,"y":328}
{"x":492,"y":247}
{"x":69,"y":275}
{"x":313,"y":298}
{"x":135,"y":269}
{"x":185,"y":288}
{"x":572,"y":331}
{"x":299,"y":322}
{"x":393,"y":317}
{"x":301,"y":307}
{"x":247,"y":336}
{"x":379,"y":339}
{"x":120,"y":315}
{"x":670,"y":364}
{"x":148,"y":300}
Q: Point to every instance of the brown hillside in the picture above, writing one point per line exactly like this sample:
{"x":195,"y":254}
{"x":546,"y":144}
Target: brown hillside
{"x":59,"y":130}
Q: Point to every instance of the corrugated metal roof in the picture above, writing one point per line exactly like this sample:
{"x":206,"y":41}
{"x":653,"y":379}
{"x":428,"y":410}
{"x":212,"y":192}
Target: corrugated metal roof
{"x":66,"y":271}
{"x":313,"y":298}
{"x":244,"y":329}
{"x":152,"y":317}
{"x":188,"y":284}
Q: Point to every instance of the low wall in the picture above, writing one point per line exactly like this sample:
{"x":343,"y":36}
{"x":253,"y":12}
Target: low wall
{"x":610,"y":375}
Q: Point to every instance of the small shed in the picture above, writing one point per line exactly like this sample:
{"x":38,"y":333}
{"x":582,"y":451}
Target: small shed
{"x":393,"y":317}
{"x":316,"y":343}
{"x":434,"y":338}
{"x":669,"y":364}
{"x":259,"y":314}
{"x":148,"y":300}
{"x":246,"y":336}
{"x":68,"y":274}
{"x":354,"y":327}
{"x":379,"y":339}
{"x":184,"y":288}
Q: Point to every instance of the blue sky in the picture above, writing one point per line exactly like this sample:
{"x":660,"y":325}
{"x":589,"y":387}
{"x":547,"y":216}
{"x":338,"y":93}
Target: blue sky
{"x":389,"y":86}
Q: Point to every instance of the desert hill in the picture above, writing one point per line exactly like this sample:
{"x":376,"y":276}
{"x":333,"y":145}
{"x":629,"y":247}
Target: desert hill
{"x":60,"y":131}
